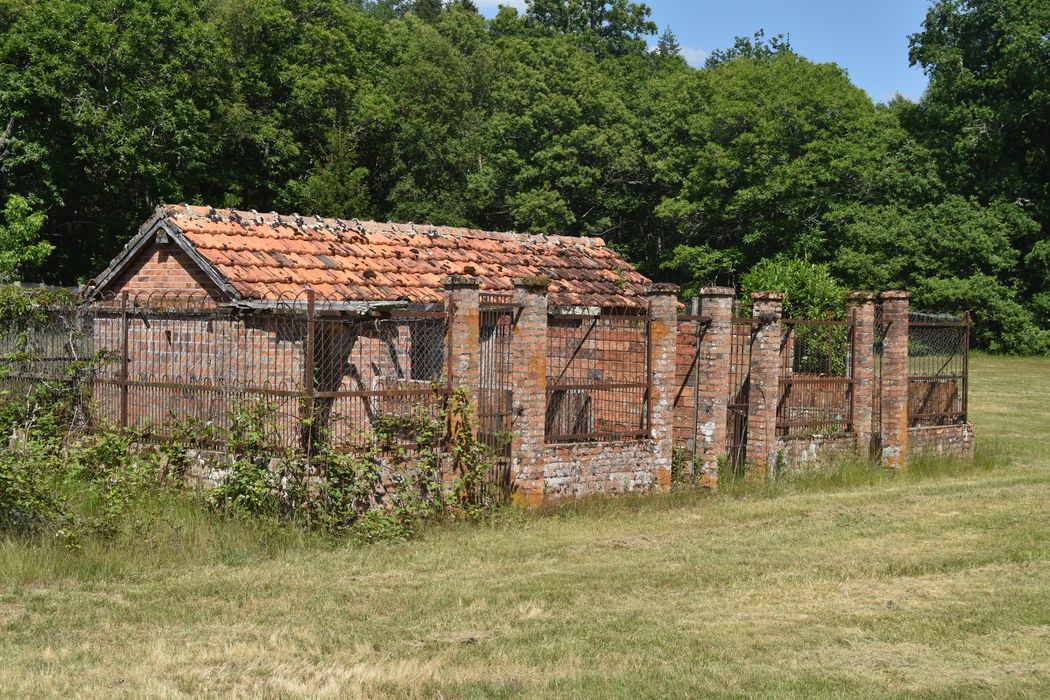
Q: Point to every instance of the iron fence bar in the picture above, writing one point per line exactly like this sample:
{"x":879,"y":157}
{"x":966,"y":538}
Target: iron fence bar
{"x":308,"y":374}
{"x":945,"y":414}
{"x":602,"y":313}
{"x":124,"y":359}
{"x":383,"y":393}
{"x":852,"y":350}
{"x":938,"y":324}
{"x":561,"y":386}
{"x":142,"y":384}
{"x":966,"y":366}
{"x":794,"y":379}
{"x":815,"y":322}
{"x":573,"y":437}
{"x":649,"y":368}
{"x":808,"y":422}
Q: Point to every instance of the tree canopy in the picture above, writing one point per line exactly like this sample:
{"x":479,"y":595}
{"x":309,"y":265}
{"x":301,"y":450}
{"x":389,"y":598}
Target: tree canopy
{"x":559,"y":118}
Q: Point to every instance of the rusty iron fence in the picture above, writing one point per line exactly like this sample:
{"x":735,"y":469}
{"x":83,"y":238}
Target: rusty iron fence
{"x":816,"y":378}
{"x":938,"y":368}
{"x":878,"y":345}
{"x":738,"y":405}
{"x":326,"y":371}
{"x":692,"y":330}
{"x":496,"y":387}
{"x":599,"y":375}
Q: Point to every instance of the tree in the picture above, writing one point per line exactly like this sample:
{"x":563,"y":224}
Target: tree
{"x":427,"y":10}
{"x":606,"y":27}
{"x":986,"y":116}
{"x":20,"y":242}
{"x":755,"y":47}
{"x":668,"y":46}
{"x":116,"y":107}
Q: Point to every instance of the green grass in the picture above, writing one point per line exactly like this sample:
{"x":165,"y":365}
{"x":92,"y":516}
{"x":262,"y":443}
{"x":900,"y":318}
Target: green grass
{"x":847,"y":583}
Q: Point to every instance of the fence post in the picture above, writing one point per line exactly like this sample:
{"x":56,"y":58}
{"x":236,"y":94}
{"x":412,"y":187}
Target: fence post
{"x":463,"y":297}
{"x":123,"y":359}
{"x":894,"y":389}
{"x":713,"y":372}
{"x":862,"y":313}
{"x":529,"y":376}
{"x":662,"y":344}
{"x":767,"y":309}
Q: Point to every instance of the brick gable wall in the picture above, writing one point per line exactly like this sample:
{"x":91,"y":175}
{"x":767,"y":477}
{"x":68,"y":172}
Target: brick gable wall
{"x":163,"y":268}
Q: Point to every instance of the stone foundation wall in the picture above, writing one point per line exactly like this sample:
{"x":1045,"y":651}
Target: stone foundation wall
{"x":796,"y":452}
{"x":586,"y":469}
{"x":955,"y":440}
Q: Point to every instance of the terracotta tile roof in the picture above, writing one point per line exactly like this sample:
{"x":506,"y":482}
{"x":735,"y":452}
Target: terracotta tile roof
{"x":264,"y":256}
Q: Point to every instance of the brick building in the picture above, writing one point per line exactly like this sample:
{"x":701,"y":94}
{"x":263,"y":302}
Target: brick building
{"x":587,"y":377}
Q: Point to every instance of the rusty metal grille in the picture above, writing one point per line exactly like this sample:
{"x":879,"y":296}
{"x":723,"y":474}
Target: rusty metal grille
{"x":938,"y":368}
{"x":598,"y":376}
{"x":496,"y":390}
{"x":816,"y":378}
{"x":878,"y":343}
{"x":326,"y":373}
{"x":738,"y":404}
{"x":390,"y":369}
{"x":692,"y":329}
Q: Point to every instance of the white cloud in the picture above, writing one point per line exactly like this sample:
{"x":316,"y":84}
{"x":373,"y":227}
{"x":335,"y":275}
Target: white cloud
{"x":694,"y":57}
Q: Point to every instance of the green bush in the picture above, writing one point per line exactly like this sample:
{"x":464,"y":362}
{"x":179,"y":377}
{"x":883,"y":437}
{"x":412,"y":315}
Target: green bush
{"x":809,"y":289}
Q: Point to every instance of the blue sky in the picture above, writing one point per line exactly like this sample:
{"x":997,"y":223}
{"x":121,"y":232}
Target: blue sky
{"x":867,"y":38}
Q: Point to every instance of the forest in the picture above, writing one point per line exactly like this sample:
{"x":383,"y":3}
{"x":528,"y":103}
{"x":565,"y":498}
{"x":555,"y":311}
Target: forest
{"x":571,"y":116}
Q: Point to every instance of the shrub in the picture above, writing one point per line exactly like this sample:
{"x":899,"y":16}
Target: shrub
{"x":809,"y":289}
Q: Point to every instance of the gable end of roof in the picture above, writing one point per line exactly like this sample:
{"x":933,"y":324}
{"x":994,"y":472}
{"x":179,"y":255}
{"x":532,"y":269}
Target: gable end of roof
{"x":157,"y":225}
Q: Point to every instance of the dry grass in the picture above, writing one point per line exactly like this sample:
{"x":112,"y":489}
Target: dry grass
{"x":933,"y":586}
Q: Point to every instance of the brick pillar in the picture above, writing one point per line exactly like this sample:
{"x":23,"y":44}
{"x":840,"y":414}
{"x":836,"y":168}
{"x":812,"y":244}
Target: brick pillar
{"x":529,"y":373}
{"x":462,"y":296}
{"x":765,"y":383}
{"x":861,"y":306}
{"x":713,"y":366}
{"x":663,"y":346}
{"x":894,"y":389}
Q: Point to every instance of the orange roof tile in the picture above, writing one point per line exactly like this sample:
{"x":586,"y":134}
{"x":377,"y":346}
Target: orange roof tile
{"x":265,"y":255}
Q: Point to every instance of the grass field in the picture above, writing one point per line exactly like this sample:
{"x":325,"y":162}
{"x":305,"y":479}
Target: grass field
{"x":934,"y":584}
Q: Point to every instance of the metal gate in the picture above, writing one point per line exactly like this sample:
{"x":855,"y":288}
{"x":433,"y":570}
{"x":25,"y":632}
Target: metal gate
{"x":739,"y":393}
{"x":495,"y":389}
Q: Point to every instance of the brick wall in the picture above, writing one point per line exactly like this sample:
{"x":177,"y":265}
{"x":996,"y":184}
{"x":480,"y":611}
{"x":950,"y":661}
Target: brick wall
{"x":164,"y":268}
